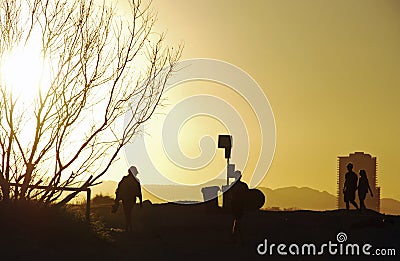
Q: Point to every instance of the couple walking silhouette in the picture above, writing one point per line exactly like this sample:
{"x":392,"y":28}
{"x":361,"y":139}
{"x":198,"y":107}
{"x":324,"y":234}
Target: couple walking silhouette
{"x":353,"y":183}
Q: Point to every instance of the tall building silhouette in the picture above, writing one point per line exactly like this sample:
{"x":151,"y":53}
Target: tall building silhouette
{"x":360,"y":160}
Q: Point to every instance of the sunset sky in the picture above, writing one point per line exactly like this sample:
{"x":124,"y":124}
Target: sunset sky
{"x":330,"y":70}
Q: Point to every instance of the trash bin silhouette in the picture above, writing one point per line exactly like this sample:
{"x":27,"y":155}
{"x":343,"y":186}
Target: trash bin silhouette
{"x":210,"y":196}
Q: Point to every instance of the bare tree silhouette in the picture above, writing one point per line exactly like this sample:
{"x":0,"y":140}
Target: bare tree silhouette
{"x":101,"y":66}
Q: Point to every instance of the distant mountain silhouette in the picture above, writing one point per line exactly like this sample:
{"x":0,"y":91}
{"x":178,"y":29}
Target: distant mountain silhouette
{"x":108,"y":187}
{"x":105,"y":188}
{"x":282,"y":198}
{"x":298,"y":198}
{"x":390,"y":206}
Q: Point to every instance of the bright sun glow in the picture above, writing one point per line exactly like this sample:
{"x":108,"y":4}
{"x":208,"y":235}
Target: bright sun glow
{"x":24,"y":71}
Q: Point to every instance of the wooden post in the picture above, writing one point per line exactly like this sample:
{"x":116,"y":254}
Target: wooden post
{"x":227,"y":171}
{"x":88,"y":196}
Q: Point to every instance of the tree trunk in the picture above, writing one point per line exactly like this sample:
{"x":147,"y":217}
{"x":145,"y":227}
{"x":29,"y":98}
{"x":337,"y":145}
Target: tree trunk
{"x":27,"y":180}
{"x":5,"y":190}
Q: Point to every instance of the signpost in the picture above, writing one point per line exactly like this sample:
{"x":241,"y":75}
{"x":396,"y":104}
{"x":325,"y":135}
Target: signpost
{"x":225,"y":142}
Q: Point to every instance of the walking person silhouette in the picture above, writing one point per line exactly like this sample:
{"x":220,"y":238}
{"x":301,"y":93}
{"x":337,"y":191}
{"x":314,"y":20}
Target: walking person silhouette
{"x":238,"y":191}
{"x":128,"y":190}
{"x":350,"y":187}
{"x":363,"y":188}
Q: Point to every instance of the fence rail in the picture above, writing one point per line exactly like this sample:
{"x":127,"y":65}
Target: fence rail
{"x":88,"y":193}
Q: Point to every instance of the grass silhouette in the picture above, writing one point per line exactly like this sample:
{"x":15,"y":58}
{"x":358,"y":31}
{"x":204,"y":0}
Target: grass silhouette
{"x":30,"y":229}
{"x":173,"y":231}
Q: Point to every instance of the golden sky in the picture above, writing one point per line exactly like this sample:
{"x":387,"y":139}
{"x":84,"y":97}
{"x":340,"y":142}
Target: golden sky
{"x":330,"y":70}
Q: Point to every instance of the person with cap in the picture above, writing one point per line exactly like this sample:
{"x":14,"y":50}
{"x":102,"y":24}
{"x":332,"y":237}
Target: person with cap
{"x":350,"y":187}
{"x":128,"y":190}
